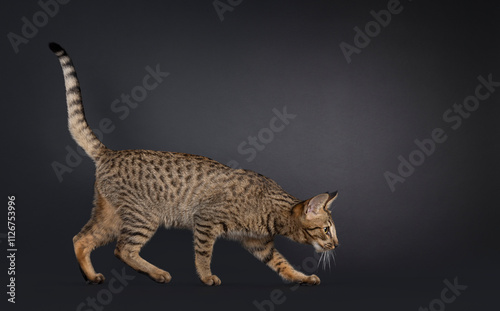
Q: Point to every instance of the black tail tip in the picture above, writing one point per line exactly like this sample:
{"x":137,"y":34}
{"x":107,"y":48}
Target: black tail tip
{"x":54,"y":47}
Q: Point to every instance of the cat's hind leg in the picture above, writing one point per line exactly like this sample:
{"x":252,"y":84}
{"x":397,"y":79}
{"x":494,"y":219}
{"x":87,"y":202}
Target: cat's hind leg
{"x":263,"y":249}
{"x":102,"y":228}
{"x":137,"y":229}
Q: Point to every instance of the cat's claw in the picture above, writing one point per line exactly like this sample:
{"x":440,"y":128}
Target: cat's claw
{"x":211,"y":280}
{"x":311,"y":280}
{"x":98,"y":279}
{"x":163,"y":277}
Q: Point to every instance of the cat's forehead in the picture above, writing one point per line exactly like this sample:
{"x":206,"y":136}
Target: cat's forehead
{"x":327,"y":214}
{"x":322,"y":218}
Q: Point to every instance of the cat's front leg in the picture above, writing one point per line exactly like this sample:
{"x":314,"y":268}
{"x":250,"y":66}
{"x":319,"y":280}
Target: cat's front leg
{"x":204,"y":240}
{"x":264,"y":250}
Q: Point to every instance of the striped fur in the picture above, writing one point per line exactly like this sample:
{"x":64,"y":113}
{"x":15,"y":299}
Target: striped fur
{"x":137,"y":191}
{"x":77,"y":124}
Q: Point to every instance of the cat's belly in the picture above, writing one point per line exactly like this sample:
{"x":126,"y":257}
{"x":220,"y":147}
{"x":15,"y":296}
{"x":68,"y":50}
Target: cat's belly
{"x":178,"y":217}
{"x":243,"y":234}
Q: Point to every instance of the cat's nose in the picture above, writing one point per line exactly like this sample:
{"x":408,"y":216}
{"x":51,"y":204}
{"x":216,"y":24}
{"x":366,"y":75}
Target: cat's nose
{"x":336,"y":244}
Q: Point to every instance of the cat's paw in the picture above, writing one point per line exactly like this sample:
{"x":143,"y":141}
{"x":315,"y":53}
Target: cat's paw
{"x":97,"y":279}
{"x":161,"y":277}
{"x":211,"y":280}
{"x":311,"y":280}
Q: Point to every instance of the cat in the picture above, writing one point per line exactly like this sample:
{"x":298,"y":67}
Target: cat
{"x":137,"y":191}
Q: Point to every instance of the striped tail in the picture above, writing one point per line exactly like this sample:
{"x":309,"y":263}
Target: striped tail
{"x":77,"y":124}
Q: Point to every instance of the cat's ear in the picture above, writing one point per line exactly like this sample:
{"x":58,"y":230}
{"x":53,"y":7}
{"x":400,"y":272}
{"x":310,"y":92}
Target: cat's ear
{"x":331,"y":197}
{"x":314,"y":205}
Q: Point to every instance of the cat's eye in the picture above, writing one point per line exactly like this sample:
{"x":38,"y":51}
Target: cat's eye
{"x":326,"y":229}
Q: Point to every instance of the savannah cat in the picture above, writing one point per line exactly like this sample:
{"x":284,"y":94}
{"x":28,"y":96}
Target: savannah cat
{"x":136,"y":191}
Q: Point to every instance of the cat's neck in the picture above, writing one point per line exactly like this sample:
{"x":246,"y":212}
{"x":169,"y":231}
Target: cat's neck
{"x":283,"y":219}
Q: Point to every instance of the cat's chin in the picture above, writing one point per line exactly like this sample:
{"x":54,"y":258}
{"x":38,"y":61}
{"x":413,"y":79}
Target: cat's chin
{"x":318,"y":247}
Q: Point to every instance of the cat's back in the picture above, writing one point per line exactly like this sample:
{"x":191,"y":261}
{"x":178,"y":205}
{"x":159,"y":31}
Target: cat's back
{"x":176,"y":178}
{"x":158,"y":169}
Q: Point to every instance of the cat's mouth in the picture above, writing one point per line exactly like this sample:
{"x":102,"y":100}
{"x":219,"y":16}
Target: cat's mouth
{"x":323,"y":248}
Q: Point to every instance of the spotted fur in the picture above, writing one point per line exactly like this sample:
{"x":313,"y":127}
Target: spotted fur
{"x":137,"y":191}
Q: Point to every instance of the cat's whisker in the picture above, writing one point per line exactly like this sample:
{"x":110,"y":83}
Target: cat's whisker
{"x":332,"y":254}
{"x":321,"y":257}
{"x":323,"y":260}
{"x":326,"y":258}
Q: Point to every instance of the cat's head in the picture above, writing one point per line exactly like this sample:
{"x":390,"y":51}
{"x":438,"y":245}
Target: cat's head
{"x":316,"y":223}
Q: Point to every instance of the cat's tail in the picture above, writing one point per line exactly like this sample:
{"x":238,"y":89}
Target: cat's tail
{"x":77,"y":124}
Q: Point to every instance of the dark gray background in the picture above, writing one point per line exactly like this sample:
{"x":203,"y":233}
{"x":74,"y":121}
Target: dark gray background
{"x":353,"y":121}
